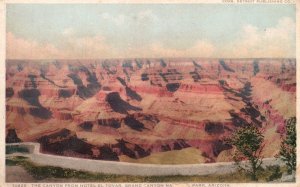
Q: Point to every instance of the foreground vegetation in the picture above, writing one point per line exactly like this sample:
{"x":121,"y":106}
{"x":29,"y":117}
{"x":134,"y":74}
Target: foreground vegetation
{"x":288,"y":146}
{"x":248,"y":141}
{"x":40,"y":172}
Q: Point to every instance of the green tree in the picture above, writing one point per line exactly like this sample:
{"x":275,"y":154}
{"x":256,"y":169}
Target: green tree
{"x":248,"y":142}
{"x":288,"y":145}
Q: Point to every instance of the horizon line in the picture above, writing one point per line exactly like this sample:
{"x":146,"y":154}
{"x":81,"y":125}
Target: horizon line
{"x":156,"y":58}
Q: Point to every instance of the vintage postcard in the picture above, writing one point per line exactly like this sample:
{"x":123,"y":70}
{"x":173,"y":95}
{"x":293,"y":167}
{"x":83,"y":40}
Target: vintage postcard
{"x":149,"y":94}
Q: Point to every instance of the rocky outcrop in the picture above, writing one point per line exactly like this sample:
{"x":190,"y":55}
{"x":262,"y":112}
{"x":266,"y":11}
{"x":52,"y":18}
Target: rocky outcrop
{"x":110,"y":122}
{"x":66,"y":93}
{"x":43,"y":75}
{"x":41,"y":112}
{"x":139,"y":64}
{"x":9,"y":92}
{"x":163,"y":63}
{"x":87,"y":126}
{"x":237,"y":120}
{"x":134,"y":124}
{"x":197,"y":65}
{"x":122,"y":81}
{"x":289,"y":87}
{"x":63,"y":142}
{"x":144,"y":77}
{"x":225,"y":66}
{"x":130,"y":149}
{"x":118,"y":104}
{"x":172,"y":87}
{"x":32,"y":97}
{"x":202,"y":88}
{"x":180,"y":144}
{"x":85,"y":91}
{"x":124,"y":149}
{"x":12,"y":137}
{"x":106,"y":153}
{"x":218,"y":146}
{"x":132,"y":94}
{"x":17,"y":110}
{"x":215,"y":128}
{"x":249,"y":114}
{"x":32,"y":80}
{"x":195,"y":75}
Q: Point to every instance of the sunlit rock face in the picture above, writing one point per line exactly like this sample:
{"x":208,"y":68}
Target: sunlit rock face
{"x":144,"y":110}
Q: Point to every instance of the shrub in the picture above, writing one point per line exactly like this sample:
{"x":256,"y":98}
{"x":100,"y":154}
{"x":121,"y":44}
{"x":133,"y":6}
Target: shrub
{"x":276,"y":173}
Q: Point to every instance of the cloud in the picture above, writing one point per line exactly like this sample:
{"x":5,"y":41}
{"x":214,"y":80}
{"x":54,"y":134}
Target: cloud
{"x":278,"y":41}
{"x":199,"y":49}
{"x":158,"y":49}
{"x":86,"y":47}
{"x":251,"y":42}
{"x":18,"y":48}
{"x":68,"y":31}
{"x":105,"y":15}
{"x":72,"y":47}
{"x":146,"y":16}
{"x":117,"y":20}
{"x":96,"y":47}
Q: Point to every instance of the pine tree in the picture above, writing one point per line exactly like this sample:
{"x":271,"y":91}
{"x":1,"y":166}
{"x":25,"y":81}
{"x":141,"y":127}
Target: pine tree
{"x":288,"y":145}
{"x":248,"y":142}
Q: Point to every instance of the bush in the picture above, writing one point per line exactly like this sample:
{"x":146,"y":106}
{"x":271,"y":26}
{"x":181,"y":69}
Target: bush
{"x":276,"y":173}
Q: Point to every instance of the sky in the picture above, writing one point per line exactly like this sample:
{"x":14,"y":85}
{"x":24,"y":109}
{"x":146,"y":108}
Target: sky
{"x":82,"y":31}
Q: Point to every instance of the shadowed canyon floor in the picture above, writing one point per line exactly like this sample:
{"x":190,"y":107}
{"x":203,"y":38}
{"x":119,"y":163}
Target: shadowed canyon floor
{"x":160,"y":111}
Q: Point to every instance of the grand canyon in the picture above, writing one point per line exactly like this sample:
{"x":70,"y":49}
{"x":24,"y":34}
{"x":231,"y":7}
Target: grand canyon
{"x":159,"y":111}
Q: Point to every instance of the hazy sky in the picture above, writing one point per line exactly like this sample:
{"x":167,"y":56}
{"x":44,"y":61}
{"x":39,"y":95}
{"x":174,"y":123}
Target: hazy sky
{"x":51,"y":31}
